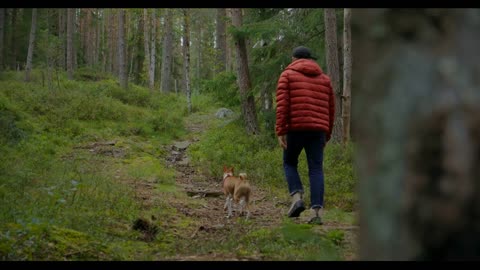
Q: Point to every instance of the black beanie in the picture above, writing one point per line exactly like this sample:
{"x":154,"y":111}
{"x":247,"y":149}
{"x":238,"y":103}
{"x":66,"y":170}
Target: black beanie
{"x":302,"y":52}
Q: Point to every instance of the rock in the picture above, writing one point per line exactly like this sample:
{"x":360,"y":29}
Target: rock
{"x":223,"y":113}
{"x":182,"y":145}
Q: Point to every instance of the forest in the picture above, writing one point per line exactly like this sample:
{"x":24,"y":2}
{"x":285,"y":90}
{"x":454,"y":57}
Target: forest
{"x":116,"y":124}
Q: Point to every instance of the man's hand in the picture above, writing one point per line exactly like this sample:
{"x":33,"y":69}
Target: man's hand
{"x":283,"y":141}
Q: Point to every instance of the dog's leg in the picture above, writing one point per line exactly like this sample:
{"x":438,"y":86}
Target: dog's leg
{"x":242,"y":205}
{"x":230,"y":206}
{"x":226,"y":203}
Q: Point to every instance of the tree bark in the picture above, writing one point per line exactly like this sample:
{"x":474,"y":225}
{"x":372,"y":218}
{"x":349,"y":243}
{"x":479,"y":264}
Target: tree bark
{"x":186,"y":58}
{"x":244,"y":83}
{"x":13,"y":39}
{"x":2,"y":37}
{"x":70,"y":29}
{"x":165,"y":80}
{"x":139,"y":55}
{"x":221,"y":39}
{"x":146,"y":41}
{"x":28,"y":67}
{"x":347,"y":74}
{"x":62,"y":19}
{"x":152,"y":54}
{"x":122,"y":61}
{"x":417,"y":124}
{"x":333,"y":69}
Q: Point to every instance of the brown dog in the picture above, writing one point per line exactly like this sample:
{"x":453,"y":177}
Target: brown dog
{"x":237,"y":190}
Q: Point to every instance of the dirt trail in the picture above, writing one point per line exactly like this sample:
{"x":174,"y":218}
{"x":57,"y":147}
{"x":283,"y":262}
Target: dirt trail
{"x":212,"y":225}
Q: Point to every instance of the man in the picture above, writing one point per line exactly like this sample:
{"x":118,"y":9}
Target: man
{"x":304,"y":120}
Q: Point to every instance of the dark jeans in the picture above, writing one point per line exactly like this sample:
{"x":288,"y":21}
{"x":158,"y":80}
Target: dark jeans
{"x":313,"y":142}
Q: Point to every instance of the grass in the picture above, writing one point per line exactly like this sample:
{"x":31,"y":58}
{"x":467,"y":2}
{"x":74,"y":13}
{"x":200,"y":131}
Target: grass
{"x":55,"y":188}
{"x":64,"y":198}
{"x":264,"y":163}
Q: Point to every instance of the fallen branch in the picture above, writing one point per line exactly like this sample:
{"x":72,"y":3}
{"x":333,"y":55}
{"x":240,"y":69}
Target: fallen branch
{"x":204,"y":193}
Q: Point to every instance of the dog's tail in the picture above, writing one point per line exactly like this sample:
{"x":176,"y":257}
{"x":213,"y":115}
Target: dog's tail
{"x":242,"y":176}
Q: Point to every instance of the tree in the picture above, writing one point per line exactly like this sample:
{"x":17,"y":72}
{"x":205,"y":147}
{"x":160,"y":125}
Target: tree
{"x":2,"y":36}
{"x":122,"y":59}
{"x":70,"y":30}
{"x":165,"y":85}
{"x":417,"y":125}
{"x":151,"y":73}
{"x":186,"y":57}
{"x":248,"y":104}
{"x":62,"y":24}
{"x":347,"y":74}
{"x":13,"y":38}
{"x":28,"y":67}
{"x":221,"y":39}
{"x":333,"y":69}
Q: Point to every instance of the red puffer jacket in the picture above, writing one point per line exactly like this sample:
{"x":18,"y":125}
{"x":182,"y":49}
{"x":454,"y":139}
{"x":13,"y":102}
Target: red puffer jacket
{"x":305,"y":99}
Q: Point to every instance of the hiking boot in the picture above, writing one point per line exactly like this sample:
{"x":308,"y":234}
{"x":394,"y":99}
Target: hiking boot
{"x":315,"y":216}
{"x":297,"y":207}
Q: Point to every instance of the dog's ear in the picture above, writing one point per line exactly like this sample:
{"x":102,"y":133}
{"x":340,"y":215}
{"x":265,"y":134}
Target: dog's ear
{"x":224,"y":168}
{"x":231,"y":169}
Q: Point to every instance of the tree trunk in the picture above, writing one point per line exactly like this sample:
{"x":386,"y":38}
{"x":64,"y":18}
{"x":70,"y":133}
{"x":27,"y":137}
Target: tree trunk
{"x":417,"y":124}
{"x":221,"y":39}
{"x":13,"y":39}
{"x":347,"y":74}
{"x":103,"y":36}
{"x":98,"y":39}
{"x":146,"y":40}
{"x":230,"y":51}
{"x":186,"y":58}
{"x":2,"y":36}
{"x":167,"y":53}
{"x":28,"y":67}
{"x":48,"y":56}
{"x":139,"y":55}
{"x":198,"y":52}
{"x":244,"y":83}
{"x":88,"y":52}
{"x":122,"y":61}
{"x":152,"y":54}
{"x":112,"y":48}
{"x":61,"y":36}
{"x":333,"y":69}
{"x":75,"y":47}
{"x":70,"y":29}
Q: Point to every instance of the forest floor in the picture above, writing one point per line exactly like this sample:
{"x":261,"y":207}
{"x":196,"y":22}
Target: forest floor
{"x":199,"y":222}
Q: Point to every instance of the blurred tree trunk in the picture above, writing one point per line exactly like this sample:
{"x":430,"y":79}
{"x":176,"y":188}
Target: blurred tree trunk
{"x":347,"y":74}
{"x":221,"y":39}
{"x":122,"y":61}
{"x":13,"y":38}
{"x":245,"y":85}
{"x":186,"y":57}
{"x":2,"y":36}
{"x":333,"y":68}
{"x":111,"y":42}
{"x":146,"y":39}
{"x":70,"y":29}
{"x":62,"y":19}
{"x":31,"y":42}
{"x":417,"y":120}
{"x":229,"y":50}
{"x":199,"y":50}
{"x":89,"y":41}
{"x":165,"y":79}
{"x":152,"y":53}
{"x":139,"y":55}
{"x":98,"y":38}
